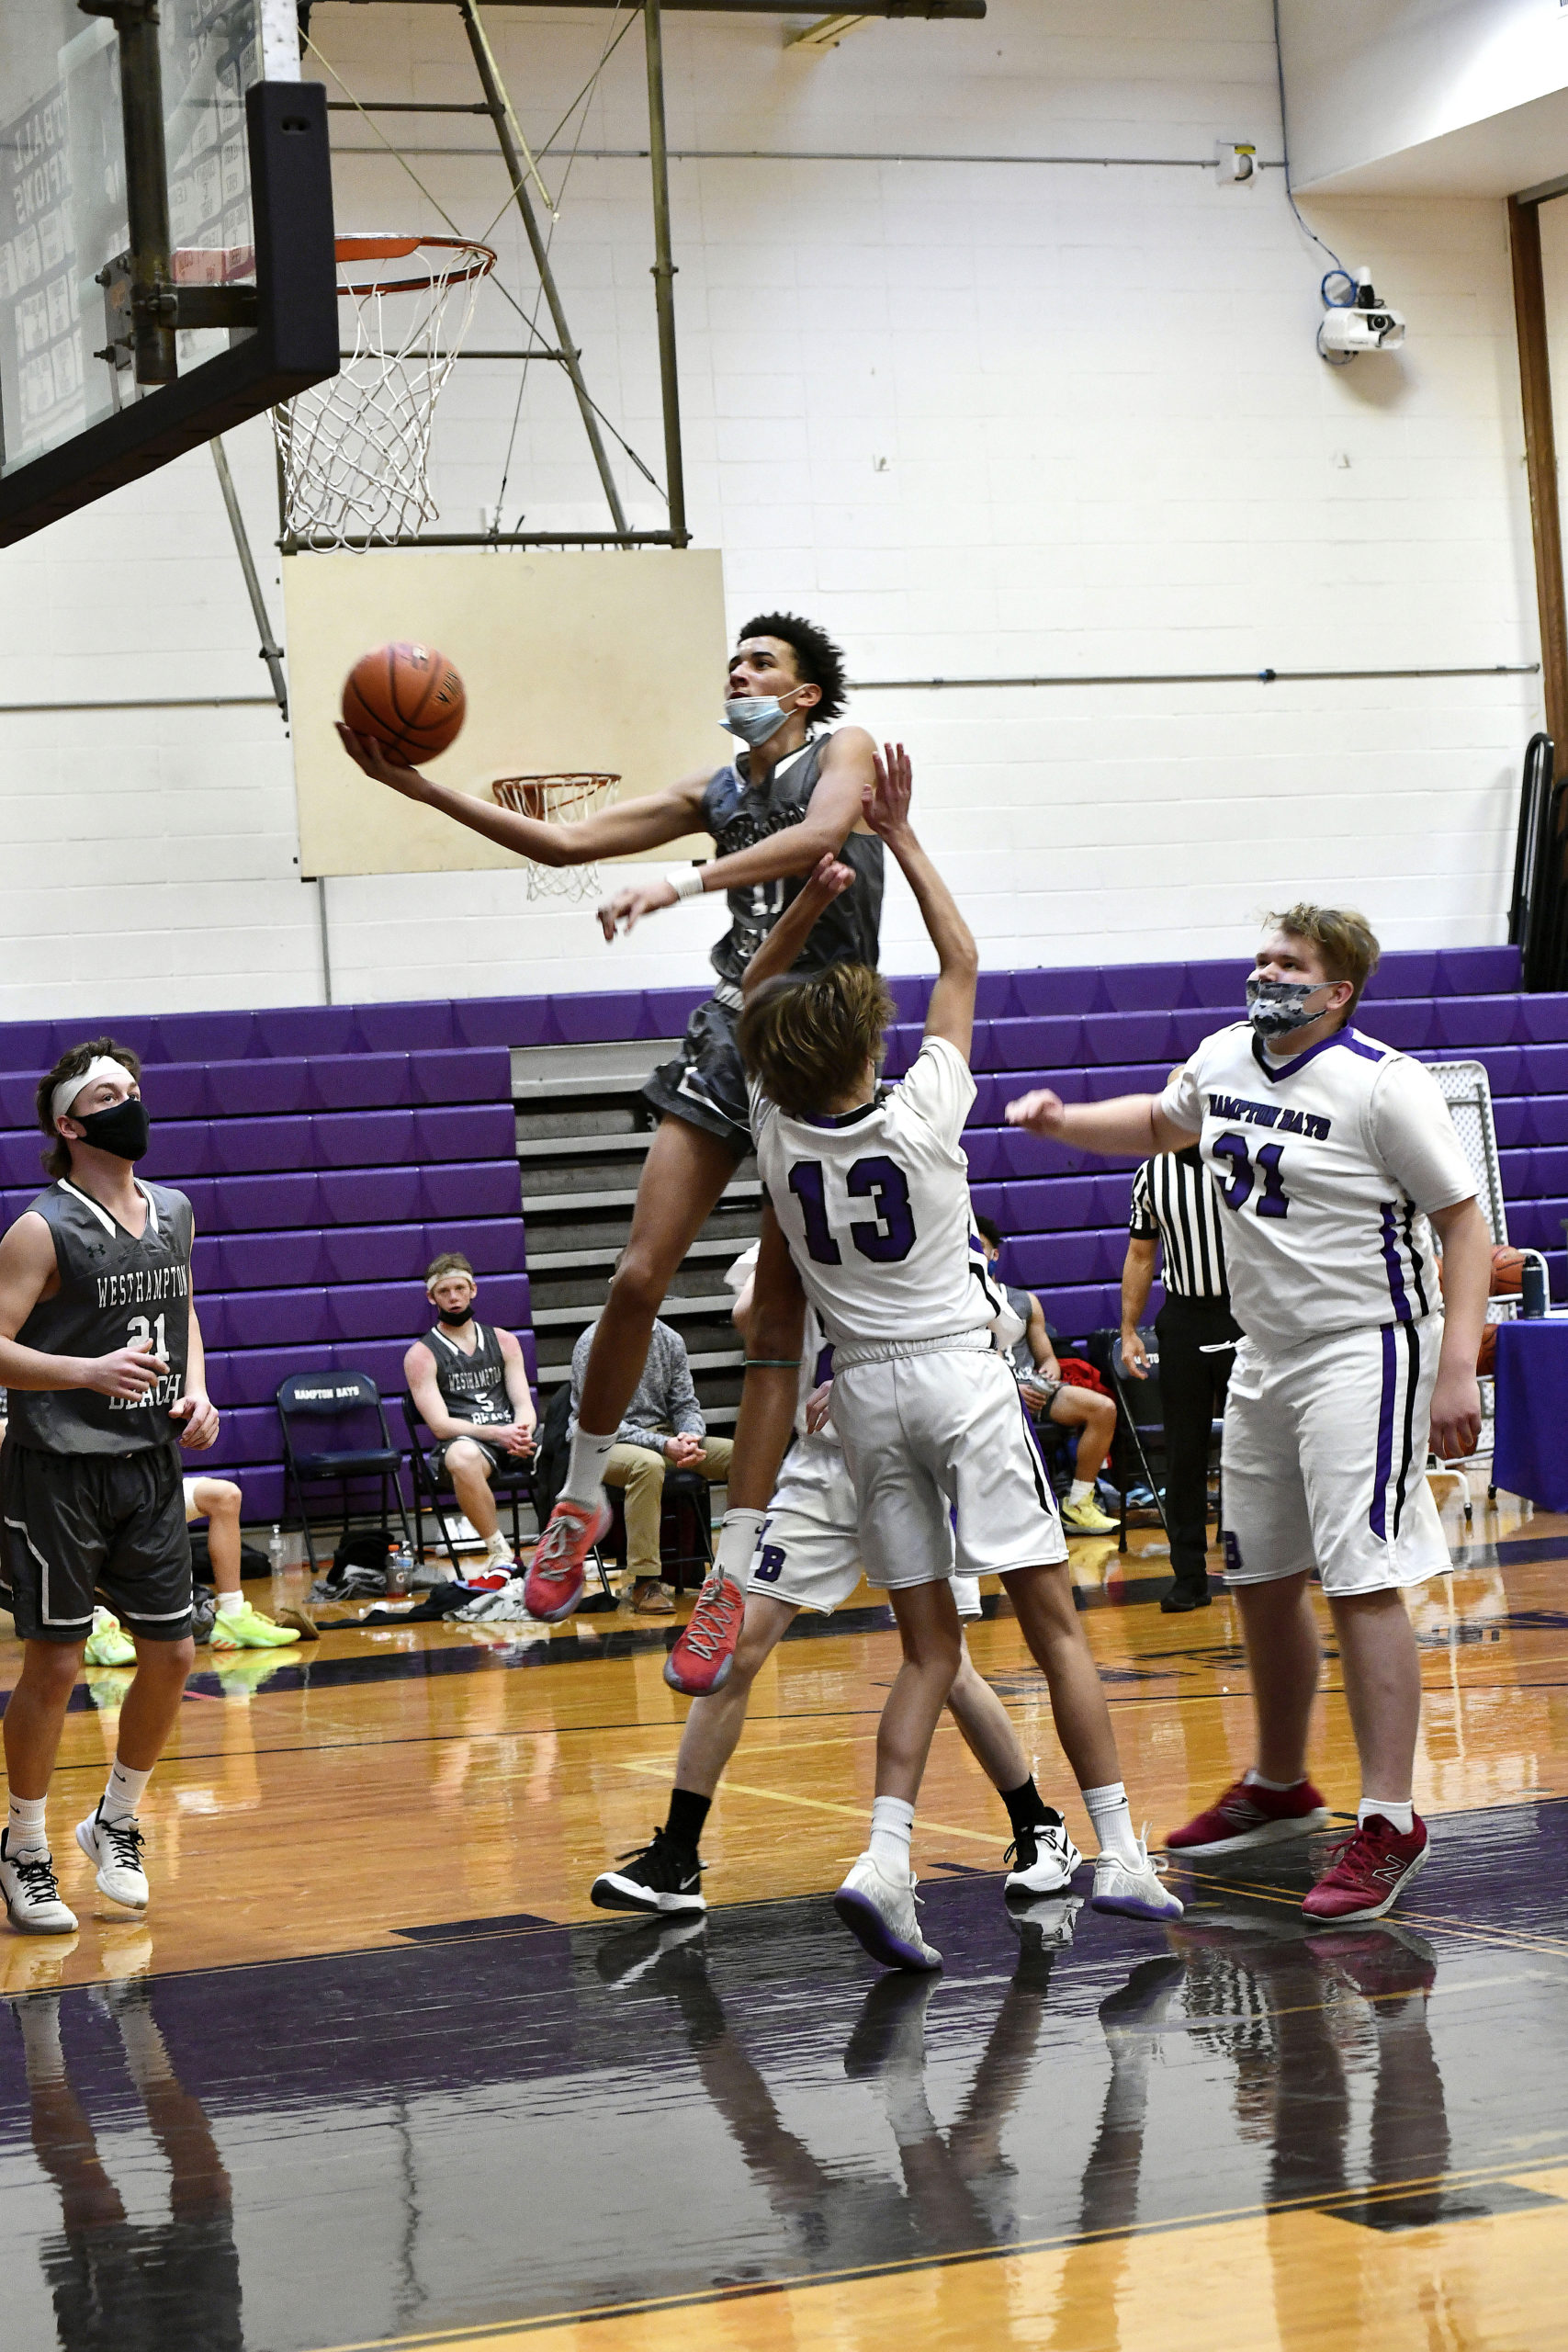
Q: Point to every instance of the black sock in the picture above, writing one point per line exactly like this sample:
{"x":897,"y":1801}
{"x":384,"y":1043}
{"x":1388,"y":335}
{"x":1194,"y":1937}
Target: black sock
{"x":1026,"y":1809}
{"x":687,"y":1813}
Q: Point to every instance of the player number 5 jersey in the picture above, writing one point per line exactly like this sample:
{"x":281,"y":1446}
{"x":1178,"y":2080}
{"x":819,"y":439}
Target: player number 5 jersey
{"x":875,"y":1204}
{"x":1328,"y":1165}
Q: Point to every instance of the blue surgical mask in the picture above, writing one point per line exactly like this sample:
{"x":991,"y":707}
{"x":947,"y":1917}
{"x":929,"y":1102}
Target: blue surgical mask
{"x":754,"y":718}
{"x":1276,"y":1008}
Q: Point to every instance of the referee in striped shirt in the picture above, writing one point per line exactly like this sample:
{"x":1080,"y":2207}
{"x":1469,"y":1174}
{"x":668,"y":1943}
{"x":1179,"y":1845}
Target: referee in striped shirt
{"x":1175,"y":1206}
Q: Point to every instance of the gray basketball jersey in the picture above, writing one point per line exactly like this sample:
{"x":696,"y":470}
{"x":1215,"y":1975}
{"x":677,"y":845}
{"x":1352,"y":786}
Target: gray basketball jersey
{"x":113,"y":1289}
{"x":738,"y":816}
{"x":473,"y":1389}
{"x":1023,"y":1305}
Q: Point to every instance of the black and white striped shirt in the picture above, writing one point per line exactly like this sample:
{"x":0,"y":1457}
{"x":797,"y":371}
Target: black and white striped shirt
{"x":1174,"y":1201}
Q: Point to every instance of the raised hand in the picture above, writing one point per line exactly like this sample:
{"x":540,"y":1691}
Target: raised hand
{"x":886,"y":804}
{"x":829,"y":879}
{"x":380,"y":761}
{"x":1041,"y":1112}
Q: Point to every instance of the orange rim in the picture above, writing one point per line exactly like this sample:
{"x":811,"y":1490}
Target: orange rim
{"x":353,"y":249}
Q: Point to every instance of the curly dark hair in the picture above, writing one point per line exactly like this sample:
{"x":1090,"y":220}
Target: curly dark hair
{"x":818,"y":661}
{"x":77,"y":1059}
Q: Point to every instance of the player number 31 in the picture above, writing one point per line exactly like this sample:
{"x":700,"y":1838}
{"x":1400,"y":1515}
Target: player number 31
{"x":1246,"y":1170}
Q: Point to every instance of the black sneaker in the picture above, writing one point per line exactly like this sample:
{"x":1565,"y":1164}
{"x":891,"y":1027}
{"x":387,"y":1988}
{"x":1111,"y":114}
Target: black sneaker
{"x":663,"y":1877}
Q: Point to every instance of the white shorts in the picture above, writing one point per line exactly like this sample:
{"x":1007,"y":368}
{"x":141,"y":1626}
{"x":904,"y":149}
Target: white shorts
{"x":938,"y":1440}
{"x":808,"y":1550}
{"x":1325,"y":1461}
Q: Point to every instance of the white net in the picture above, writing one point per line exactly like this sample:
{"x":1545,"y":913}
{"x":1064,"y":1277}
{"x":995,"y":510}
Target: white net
{"x":557,"y":800}
{"x":356,"y":450}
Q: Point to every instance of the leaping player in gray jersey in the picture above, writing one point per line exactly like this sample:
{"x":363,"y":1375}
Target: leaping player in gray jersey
{"x":791,"y":798}
{"x":101,"y":1353}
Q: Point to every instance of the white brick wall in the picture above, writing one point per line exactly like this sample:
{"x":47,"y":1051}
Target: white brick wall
{"x":1109,"y":447}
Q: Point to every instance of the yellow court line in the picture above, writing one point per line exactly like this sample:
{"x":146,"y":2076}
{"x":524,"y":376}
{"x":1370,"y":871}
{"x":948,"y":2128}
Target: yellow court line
{"x":507,"y":2332}
{"x":821,"y":1805}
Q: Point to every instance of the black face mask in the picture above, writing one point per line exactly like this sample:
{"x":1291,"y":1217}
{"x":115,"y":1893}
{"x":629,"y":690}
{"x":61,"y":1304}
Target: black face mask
{"x":123,"y":1129}
{"x":454,"y":1317}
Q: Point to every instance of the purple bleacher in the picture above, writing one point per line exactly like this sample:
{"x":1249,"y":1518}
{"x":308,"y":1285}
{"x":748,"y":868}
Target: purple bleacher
{"x":1145,"y":987}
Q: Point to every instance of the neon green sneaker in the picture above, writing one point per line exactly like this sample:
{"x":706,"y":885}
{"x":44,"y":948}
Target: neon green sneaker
{"x":249,"y":1631}
{"x":107,"y":1644}
{"x":1085,"y":1518}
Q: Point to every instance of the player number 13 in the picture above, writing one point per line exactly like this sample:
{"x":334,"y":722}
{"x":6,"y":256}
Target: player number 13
{"x":1272,"y":1201}
{"x":887,"y":1237}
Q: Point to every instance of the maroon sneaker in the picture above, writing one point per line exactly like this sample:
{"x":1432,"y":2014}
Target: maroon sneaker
{"x":555,"y":1572}
{"x":701,"y":1659}
{"x":1248,"y":1816}
{"x":1369,"y":1871}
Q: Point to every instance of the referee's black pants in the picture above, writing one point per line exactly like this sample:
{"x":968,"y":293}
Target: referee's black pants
{"x":1193,"y":1393}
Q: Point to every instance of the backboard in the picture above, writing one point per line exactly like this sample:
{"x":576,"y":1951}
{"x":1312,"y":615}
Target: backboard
{"x":611,"y":662}
{"x":167,"y":264}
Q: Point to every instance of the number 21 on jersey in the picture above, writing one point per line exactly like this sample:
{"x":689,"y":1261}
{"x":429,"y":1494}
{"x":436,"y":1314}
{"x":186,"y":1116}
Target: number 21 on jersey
{"x":887,"y":1237}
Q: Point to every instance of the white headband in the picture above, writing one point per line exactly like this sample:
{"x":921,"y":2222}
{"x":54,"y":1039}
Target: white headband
{"x":67,"y":1090}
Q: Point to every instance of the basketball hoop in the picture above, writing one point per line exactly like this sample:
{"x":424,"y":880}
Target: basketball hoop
{"x":355,"y":449}
{"x":557,"y":800}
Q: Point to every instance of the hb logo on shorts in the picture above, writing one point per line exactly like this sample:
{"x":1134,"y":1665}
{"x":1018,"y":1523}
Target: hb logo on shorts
{"x":1233,"y":1554}
{"x":770,"y":1564}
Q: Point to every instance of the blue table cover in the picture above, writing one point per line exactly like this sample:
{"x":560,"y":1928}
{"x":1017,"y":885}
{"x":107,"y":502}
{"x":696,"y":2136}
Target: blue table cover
{"x":1531,"y":1456}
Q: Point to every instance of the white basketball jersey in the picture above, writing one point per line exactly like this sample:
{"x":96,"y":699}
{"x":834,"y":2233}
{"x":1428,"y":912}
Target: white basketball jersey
{"x":875,"y":1205}
{"x":1327,"y":1163}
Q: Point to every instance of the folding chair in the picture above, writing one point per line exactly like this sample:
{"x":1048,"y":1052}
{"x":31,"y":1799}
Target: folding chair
{"x":686,"y":1504}
{"x":1467,"y":1091}
{"x":339,"y":1397}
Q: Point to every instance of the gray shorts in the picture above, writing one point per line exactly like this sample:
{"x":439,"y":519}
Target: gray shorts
{"x":78,"y":1525}
{"x":706,"y":1084}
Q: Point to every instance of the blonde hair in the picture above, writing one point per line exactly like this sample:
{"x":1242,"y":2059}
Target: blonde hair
{"x":451,"y":1261}
{"x":1344,"y":939}
{"x":807,"y":1041}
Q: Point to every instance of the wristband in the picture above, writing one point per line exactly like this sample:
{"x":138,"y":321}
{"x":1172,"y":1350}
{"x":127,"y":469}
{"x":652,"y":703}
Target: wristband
{"x":772,"y":1364}
{"x":686,"y":881}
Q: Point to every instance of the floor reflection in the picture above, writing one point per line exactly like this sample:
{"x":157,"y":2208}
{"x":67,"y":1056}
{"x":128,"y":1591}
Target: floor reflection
{"x":137,"y":2286}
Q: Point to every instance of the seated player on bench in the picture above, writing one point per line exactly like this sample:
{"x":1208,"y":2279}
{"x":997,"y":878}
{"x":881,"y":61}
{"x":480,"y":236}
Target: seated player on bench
{"x":237,"y":1625}
{"x":470,"y":1386}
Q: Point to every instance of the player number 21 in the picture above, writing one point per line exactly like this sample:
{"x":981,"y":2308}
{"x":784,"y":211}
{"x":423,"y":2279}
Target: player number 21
{"x":141,"y":1328}
{"x":887,"y":1237}
{"x":1271,"y":1201}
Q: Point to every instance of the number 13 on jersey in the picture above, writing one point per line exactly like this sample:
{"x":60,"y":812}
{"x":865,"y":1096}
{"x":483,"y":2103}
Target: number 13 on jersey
{"x":886,"y":1236}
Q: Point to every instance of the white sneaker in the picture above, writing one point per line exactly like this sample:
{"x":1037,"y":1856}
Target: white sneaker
{"x":880,"y":1915}
{"x":1043,"y":1859}
{"x":1134,"y":1888}
{"x":32,"y":1894}
{"x":115,"y":1848}
{"x":1044,"y":1923}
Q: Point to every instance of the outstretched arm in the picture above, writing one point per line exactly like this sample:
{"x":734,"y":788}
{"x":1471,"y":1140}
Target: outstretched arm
{"x":619,"y":830}
{"x":1131,"y":1124}
{"x":951,"y":1013}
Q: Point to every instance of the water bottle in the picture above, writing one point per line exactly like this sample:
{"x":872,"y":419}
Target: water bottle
{"x":1532,"y":1285}
{"x":400,"y":1573}
{"x":274,"y":1552}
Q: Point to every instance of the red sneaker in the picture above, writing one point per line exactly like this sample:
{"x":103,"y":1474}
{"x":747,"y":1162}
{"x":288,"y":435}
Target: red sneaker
{"x":1248,"y":1816}
{"x":489,"y":1578}
{"x":1371,"y":1870}
{"x":555,"y":1572}
{"x":701,"y":1659}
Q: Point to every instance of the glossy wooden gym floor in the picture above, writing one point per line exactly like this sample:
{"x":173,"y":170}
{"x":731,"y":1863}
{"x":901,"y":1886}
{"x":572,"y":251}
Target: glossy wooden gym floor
{"x":373,"y":2071}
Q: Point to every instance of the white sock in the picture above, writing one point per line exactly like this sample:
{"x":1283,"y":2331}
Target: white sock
{"x":24,"y":1832}
{"x":1080,"y":1490}
{"x":123,"y":1795}
{"x":737,"y":1542}
{"x":585,"y":1468}
{"x":1107,"y":1809}
{"x":892,"y":1826}
{"x":41,"y":2053}
{"x":231,"y":1604}
{"x":1402,"y":1817}
{"x":146,"y":2052}
{"x":1254,"y":1780}
{"x":497,"y":1547}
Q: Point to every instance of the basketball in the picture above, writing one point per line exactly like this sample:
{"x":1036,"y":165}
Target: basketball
{"x":409,"y":696}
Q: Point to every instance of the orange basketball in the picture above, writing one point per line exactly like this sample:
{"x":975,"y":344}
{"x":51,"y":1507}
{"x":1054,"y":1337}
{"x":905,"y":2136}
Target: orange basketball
{"x":409,"y":696}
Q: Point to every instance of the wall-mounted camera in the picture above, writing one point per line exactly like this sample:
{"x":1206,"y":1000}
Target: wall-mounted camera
{"x":1355,"y":321}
